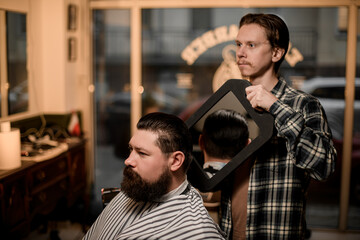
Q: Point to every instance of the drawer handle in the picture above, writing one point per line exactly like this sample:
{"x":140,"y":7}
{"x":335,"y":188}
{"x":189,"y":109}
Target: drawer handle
{"x":41,"y":175}
{"x":73,"y":170}
{"x":13,"y":190}
{"x":42,"y":197}
{"x":63,"y":185}
{"x":62,"y":165}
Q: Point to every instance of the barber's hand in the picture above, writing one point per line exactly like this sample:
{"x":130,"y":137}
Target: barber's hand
{"x":259,"y":97}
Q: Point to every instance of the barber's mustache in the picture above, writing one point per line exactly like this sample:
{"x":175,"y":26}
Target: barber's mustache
{"x":242,"y":62}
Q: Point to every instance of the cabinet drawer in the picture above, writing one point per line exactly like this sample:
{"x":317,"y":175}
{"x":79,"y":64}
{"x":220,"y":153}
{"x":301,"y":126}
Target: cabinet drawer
{"x":13,"y":202}
{"x":45,"y":201}
{"x":48,"y":174}
{"x":77,"y":169}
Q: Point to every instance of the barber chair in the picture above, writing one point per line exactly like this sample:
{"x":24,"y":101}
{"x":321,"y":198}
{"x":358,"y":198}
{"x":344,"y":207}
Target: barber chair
{"x":107,"y":194}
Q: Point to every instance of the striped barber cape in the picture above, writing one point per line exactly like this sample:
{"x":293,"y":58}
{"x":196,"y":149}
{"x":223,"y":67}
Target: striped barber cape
{"x":180,"y":214}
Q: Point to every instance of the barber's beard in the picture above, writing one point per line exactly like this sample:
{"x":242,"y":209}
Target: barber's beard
{"x":143,"y":191}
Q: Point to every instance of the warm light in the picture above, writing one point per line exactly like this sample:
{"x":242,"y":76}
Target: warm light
{"x":91,"y":88}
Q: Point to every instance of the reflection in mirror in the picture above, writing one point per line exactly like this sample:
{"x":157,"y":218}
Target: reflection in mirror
{"x":13,"y":55}
{"x":17,"y":63}
{"x":230,"y":102}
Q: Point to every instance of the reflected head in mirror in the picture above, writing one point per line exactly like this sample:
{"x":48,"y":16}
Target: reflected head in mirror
{"x":225,"y":133}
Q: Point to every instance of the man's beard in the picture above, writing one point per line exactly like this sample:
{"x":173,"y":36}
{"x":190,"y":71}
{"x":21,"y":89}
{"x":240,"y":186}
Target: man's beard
{"x":143,"y":191}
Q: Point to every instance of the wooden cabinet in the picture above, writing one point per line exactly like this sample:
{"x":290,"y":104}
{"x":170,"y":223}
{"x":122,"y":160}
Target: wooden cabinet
{"x":47,"y":184}
{"x":37,"y":187}
{"x":77,"y":174}
{"x":14,"y":205}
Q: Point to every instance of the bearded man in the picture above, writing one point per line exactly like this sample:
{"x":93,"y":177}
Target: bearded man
{"x":156,"y":201}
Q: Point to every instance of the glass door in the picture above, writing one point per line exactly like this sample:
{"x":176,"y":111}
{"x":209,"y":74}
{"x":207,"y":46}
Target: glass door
{"x":188,"y":53}
{"x":111,"y":71}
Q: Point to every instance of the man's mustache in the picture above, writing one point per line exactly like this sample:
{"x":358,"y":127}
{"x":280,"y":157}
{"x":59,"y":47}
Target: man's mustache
{"x":243,"y":63}
{"x":130,"y":173}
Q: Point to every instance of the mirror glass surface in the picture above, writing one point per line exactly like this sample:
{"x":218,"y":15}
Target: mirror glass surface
{"x":231,"y":102}
{"x":18,"y":97}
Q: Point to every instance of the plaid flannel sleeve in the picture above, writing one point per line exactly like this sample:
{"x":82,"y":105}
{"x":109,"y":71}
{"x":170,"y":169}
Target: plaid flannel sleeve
{"x":226,"y":218}
{"x":307,"y":134}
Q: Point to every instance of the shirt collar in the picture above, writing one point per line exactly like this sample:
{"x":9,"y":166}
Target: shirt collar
{"x":279,"y":87}
{"x":177,"y":191}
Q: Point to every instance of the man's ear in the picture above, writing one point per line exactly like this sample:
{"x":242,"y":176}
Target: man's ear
{"x":177,"y":160}
{"x":277,"y":54}
{"x":201,"y":142}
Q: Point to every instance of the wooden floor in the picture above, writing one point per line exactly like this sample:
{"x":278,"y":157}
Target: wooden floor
{"x":69,"y":231}
{"x":333,"y":235}
{"x":65,"y":231}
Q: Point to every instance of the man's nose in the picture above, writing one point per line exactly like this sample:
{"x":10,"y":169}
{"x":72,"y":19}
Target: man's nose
{"x":130,"y":161}
{"x":240,"y":51}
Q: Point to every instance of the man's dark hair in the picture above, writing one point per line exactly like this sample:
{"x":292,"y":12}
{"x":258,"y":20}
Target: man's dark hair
{"x":173,"y":134}
{"x":276,"y":31}
{"x":225,"y":133}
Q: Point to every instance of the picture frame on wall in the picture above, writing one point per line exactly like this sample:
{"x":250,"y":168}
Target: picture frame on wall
{"x":72,"y":49}
{"x":72,"y":17}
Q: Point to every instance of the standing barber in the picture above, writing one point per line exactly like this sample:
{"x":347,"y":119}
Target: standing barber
{"x":301,"y":147}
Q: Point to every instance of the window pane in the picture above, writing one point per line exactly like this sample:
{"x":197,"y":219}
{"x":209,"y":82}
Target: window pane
{"x":354,"y":208}
{"x":18,"y":99}
{"x":185,"y":62}
{"x":111,"y":64}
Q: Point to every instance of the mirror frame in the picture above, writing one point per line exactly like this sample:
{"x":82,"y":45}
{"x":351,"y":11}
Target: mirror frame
{"x":264,"y":120}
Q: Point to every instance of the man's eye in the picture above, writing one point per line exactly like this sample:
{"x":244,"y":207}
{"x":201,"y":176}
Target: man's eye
{"x":142,"y":153}
{"x":238,"y":44}
{"x":251,"y":45}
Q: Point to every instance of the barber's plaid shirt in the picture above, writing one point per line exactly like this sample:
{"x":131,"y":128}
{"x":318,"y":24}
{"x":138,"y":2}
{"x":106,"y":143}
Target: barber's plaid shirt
{"x":300,"y":148}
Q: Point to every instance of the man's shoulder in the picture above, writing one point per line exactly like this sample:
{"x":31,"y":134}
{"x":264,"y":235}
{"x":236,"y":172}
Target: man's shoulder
{"x":195,"y":215}
{"x":295,"y":97}
{"x":195,"y":196}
